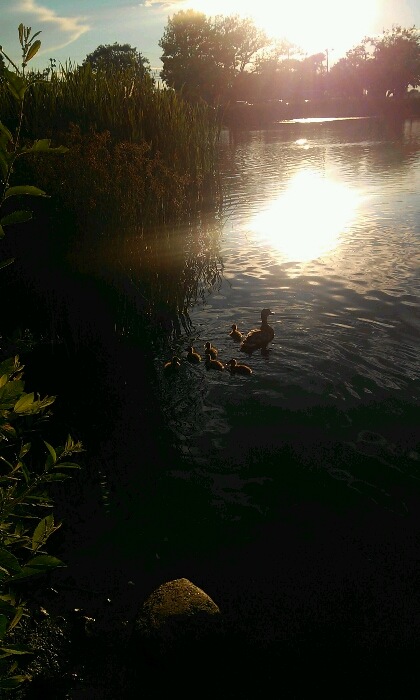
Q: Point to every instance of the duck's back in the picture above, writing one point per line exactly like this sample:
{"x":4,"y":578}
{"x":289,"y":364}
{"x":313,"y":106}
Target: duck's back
{"x":258,"y":338}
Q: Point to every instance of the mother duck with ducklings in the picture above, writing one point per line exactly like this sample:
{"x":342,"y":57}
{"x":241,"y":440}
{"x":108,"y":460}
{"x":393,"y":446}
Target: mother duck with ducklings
{"x":259,"y":338}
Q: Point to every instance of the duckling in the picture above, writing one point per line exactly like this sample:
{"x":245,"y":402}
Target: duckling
{"x":235,"y":368}
{"x":214,"y":364}
{"x":235,"y":332}
{"x":192,"y":355}
{"x":259,"y":337}
{"x":210,"y":350}
{"x":172,"y":366}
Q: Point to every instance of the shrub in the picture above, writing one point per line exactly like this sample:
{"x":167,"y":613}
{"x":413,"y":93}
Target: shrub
{"x":26,"y":517}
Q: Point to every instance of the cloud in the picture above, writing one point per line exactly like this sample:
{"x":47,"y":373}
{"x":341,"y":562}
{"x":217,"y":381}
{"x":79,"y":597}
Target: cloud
{"x":71,"y":27}
{"x":162,"y":4}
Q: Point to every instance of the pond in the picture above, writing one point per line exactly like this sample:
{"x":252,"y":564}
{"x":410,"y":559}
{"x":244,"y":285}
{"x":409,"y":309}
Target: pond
{"x":321,"y":224}
{"x":293,"y":493}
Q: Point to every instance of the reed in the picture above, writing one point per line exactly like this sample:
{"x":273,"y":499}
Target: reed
{"x":141,"y":151}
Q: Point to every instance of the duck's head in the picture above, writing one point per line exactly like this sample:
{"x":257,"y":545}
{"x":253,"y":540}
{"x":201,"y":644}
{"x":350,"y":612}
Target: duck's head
{"x":232,"y":362}
{"x":265,"y":313}
{"x":190,"y":348}
{"x":234,"y":327}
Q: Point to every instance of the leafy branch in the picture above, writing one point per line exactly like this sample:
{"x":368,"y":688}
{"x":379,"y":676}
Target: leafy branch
{"x":26,"y":522}
{"x":11,"y":147}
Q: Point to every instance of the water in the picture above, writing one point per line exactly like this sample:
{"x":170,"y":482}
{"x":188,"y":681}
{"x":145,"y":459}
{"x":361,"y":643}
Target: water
{"x":321,"y":224}
{"x":290,"y":496}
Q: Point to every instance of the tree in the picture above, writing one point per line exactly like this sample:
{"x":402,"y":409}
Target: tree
{"x":380,"y":66}
{"x":187,"y":61}
{"x":117,"y":57}
{"x":241,"y":38}
{"x":396,"y":61}
{"x":202,"y":56}
{"x":351,"y":75}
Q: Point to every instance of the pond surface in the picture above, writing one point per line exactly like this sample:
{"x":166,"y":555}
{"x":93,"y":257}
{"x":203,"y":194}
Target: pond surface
{"x":292,"y":495}
{"x":321,"y":224}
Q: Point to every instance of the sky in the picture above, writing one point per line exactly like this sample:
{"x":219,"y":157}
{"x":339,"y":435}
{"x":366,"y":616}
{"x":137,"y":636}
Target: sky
{"x":71,"y":29}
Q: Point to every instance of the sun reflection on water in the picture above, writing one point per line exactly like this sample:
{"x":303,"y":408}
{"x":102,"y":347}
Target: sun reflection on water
{"x":308,"y":218}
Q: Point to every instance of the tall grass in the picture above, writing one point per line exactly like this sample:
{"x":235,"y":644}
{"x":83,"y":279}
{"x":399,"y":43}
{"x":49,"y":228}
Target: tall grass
{"x":139,"y":151}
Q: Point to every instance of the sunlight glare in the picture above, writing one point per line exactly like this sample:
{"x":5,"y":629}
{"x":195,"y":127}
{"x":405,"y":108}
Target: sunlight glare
{"x":307,"y":220}
{"x":314,"y":26}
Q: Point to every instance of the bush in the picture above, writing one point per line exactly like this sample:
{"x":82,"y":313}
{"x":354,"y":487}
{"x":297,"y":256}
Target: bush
{"x":28,"y":464}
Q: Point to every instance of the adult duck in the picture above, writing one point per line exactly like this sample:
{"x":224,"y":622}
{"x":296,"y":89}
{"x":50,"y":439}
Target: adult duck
{"x":210,"y":350}
{"x":259,"y":338}
{"x":192,"y":355}
{"x":172,"y":366}
{"x":235,"y":332}
{"x":235,"y":367}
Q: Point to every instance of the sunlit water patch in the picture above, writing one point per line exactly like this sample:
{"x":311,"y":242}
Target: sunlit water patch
{"x":307,"y":219}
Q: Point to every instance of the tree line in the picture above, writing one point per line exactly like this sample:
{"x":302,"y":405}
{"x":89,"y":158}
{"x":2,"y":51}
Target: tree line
{"x":225,"y":59}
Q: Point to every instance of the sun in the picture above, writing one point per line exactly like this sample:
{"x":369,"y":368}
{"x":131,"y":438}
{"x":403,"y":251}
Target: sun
{"x":313,"y":25}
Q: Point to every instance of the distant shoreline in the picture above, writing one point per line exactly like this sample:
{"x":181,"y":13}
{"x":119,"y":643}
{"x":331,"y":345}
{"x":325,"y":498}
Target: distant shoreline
{"x":274,"y":111}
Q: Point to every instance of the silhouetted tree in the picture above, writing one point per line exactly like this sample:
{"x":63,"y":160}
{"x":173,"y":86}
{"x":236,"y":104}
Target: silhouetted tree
{"x":396,"y":61}
{"x":351,"y":75}
{"x":202,"y":56}
{"x":117,"y":57}
{"x":379,"y":66}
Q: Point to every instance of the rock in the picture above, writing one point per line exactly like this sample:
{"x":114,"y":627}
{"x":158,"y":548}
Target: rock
{"x":177,"y":615}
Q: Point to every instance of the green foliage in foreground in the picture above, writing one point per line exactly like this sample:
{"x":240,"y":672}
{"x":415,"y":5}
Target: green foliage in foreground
{"x":11,"y":147}
{"x":26,"y":518}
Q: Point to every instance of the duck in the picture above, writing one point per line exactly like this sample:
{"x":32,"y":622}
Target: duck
{"x":192,"y":355}
{"x":235,"y":368}
{"x":172,"y":366}
{"x":235,"y":332}
{"x":210,"y":350}
{"x":214,"y":364}
{"x":259,"y":337}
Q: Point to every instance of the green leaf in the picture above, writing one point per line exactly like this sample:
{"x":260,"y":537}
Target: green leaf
{"x":4,"y":130}
{"x":9,"y":563}
{"x":6,"y":608}
{"x":24,"y":189}
{"x":43,"y":530}
{"x":2,"y":233}
{"x":17,"y":217}
{"x":33,"y":50}
{"x":40,"y":564}
{"x":19,"y":612}
{"x":8,"y":430}
{"x":51,"y":450}
{"x":16,"y":84}
{"x":68,"y":465}
{"x":16,"y":649}
{"x":7,"y":262}
{"x":9,"y":366}
{"x":43,"y":146}
{"x":25,"y":403}
{"x":57,"y":477}
{"x":3,"y":625}
{"x":12,"y":682}
{"x":24,"y":449}
{"x":4,"y":165}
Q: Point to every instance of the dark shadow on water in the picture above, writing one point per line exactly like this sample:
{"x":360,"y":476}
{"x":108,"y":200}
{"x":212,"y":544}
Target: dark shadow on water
{"x":315,"y":567}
